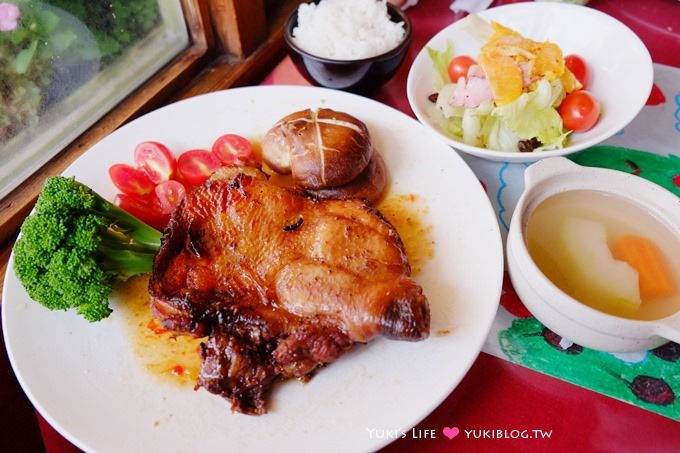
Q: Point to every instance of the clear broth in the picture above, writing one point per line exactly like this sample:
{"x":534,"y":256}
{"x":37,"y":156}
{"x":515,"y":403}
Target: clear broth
{"x":620,"y":218}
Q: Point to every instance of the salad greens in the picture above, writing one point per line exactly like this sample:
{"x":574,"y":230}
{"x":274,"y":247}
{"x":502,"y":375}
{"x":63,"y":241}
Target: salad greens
{"x":440,"y":62}
{"x":531,"y":115}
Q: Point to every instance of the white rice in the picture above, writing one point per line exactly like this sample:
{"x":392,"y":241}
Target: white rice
{"x":346,"y":29}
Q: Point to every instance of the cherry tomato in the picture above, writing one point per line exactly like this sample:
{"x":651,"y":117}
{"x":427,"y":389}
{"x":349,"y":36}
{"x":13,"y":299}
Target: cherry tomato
{"x":130,"y":180}
{"x":579,"y":111}
{"x":196,"y":165}
{"x":145,"y":208}
{"x":233,"y":149}
{"x":169,"y":194}
{"x":156,"y":160}
{"x":458,"y":67}
{"x":579,"y":68}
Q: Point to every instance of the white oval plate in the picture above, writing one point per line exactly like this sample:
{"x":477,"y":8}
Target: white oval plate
{"x":621,"y":68}
{"x":85,"y":379}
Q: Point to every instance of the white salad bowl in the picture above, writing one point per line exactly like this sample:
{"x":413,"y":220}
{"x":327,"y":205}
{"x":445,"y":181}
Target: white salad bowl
{"x":558,"y":311}
{"x":620,"y":65}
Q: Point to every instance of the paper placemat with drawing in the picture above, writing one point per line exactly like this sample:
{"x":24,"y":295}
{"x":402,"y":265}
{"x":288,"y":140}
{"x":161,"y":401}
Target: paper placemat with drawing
{"x":650,"y":148}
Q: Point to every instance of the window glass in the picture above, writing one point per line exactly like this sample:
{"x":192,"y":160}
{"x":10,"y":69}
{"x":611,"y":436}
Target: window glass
{"x":65,"y":63}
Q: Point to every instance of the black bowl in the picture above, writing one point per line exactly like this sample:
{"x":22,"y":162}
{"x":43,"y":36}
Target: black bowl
{"x":359,"y":76}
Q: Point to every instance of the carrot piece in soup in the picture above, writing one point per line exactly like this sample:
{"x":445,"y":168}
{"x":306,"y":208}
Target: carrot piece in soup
{"x":644,"y":255}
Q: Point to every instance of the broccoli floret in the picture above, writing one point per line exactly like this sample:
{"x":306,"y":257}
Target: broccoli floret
{"x":76,"y":246}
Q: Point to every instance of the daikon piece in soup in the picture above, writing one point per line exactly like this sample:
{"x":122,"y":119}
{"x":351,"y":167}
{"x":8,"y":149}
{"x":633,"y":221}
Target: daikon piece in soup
{"x":608,"y":253}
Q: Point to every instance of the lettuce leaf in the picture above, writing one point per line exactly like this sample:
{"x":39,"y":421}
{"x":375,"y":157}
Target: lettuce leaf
{"x":440,"y":63}
{"x":533,"y":114}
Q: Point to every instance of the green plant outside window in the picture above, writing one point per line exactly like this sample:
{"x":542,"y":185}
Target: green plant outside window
{"x":62,"y":57}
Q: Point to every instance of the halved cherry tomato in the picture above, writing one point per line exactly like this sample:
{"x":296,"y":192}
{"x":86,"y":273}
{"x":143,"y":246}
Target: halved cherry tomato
{"x":156,"y":160}
{"x":579,"y":111}
{"x":145,"y":208}
{"x":458,"y":67}
{"x":169,"y":194}
{"x":233,"y":149}
{"x":130,"y":180}
{"x":196,"y":165}
{"x":579,"y":68}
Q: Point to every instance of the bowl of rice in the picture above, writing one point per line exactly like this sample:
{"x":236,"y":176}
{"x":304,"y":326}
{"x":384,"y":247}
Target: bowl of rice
{"x":350,"y":45}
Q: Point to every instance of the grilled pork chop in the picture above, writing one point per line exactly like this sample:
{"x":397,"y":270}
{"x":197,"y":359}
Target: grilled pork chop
{"x":281,"y":283}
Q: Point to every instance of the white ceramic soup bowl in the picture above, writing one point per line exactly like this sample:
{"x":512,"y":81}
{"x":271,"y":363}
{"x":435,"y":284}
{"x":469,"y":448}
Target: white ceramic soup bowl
{"x":566,"y":316}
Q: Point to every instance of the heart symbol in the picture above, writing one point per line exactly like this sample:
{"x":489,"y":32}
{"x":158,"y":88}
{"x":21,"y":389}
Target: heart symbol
{"x":451,"y":432}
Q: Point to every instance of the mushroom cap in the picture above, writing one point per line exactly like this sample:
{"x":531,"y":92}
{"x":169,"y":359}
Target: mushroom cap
{"x":321,"y":149}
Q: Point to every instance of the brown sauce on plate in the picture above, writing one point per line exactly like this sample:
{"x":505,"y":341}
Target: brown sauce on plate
{"x":173,"y":358}
{"x":406,"y":212}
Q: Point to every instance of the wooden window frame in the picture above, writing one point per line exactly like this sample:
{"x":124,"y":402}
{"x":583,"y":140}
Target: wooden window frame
{"x":233,"y":43}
